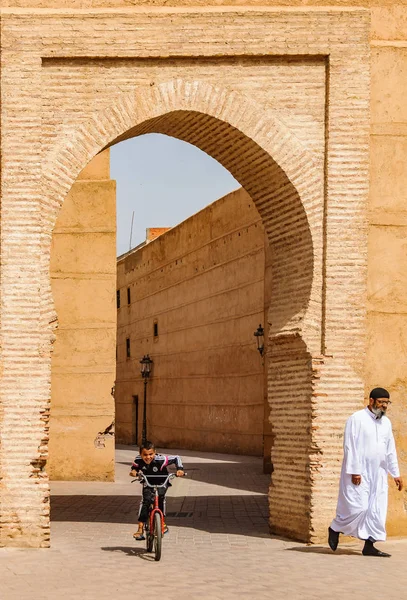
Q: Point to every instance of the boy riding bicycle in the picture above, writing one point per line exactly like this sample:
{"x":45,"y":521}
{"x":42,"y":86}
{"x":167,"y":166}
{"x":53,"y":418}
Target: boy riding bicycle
{"x":150,"y":463}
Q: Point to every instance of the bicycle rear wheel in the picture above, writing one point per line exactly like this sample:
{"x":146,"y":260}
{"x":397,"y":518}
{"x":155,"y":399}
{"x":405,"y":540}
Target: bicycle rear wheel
{"x":157,"y":536}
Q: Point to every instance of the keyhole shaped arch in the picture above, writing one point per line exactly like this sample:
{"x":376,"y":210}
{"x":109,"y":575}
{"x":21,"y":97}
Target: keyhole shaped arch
{"x":258,"y":149}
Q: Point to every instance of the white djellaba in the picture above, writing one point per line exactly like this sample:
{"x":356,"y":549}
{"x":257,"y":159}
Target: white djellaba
{"x":369,"y":451}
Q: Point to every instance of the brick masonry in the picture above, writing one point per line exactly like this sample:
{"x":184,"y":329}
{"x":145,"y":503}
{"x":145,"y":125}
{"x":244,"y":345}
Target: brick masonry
{"x":207,"y":76}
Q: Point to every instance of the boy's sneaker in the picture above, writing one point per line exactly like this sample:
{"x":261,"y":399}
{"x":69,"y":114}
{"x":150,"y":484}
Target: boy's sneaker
{"x":166,"y":530}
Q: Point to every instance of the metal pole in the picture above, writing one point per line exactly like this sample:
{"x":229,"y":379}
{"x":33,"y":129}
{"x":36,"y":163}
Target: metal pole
{"x":144,"y":433}
{"x":131,"y":230}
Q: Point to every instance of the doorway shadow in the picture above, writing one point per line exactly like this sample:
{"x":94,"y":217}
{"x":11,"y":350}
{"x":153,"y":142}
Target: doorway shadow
{"x":240,"y":515}
{"x":239,"y":475}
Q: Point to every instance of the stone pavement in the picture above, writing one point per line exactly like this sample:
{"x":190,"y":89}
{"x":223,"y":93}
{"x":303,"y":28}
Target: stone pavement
{"x":218,"y":547}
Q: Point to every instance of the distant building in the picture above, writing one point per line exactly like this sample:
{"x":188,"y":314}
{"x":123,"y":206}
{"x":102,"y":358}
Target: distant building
{"x":192,"y":300}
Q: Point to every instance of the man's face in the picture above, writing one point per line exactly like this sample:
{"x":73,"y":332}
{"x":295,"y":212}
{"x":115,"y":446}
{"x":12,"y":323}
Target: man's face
{"x":148,"y":455}
{"x":379,"y":406}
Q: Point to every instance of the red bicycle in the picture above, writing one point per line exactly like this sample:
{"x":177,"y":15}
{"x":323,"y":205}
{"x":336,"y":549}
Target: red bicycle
{"x":154,"y":527}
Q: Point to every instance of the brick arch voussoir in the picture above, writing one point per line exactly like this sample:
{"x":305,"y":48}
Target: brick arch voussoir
{"x":69,"y":156}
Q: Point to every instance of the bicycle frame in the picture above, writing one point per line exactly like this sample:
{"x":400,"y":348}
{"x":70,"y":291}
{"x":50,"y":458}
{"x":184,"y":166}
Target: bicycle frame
{"x":156,"y":509}
{"x":153,"y":534}
{"x":153,"y":511}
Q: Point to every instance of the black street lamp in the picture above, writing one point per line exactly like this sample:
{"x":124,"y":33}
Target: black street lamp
{"x":145,"y":369}
{"x":259,"y":334}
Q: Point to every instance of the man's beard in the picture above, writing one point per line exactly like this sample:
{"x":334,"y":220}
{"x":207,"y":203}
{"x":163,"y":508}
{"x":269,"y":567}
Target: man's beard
{"x":378,"y":412}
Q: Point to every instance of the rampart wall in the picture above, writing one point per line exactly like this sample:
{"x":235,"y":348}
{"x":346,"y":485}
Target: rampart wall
{"x":199,"y":288}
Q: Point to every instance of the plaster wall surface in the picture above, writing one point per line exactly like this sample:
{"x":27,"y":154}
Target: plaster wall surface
{"x":387,"y":250}
{"x":83,"y":276}
{"x":201,"y":285}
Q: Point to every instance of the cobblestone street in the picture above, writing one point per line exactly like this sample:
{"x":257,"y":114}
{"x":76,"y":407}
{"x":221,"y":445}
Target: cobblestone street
{"x":218,"y":546}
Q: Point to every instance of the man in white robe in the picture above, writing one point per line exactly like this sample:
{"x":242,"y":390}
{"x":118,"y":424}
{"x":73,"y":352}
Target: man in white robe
{"x":369,"y":456}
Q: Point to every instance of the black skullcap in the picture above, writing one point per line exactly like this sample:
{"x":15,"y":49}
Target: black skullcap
{"x":379,"y":393}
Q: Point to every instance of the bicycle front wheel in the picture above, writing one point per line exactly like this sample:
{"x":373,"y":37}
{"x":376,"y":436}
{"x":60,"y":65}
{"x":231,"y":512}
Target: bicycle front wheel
{"x":149,"y":538}
{"x":157,"y":536}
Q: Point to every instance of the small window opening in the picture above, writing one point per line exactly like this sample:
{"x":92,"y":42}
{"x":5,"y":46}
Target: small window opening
{"x":118,"y":298}
{"x":128,"y":347}
{"x":128,"y":296}
{"x":155,"y":328}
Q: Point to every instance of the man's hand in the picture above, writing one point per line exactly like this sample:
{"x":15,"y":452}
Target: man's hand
{"x":133,"y":473}
{"x":180,"y":473}
{"x":399,"y":482}
{"x":356,"y":479}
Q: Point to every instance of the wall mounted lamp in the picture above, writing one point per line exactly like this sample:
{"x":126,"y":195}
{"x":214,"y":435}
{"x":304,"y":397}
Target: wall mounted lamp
{"x":259,"y":334}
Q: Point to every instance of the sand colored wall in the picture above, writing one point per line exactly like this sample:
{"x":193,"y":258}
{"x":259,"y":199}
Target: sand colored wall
{"x":202,"y":283}
{"x":61,"y":70}
{"x":253,"y":90}
{"x":268,"y":436}
{"x":386,"y":363}
{"x":83,"y":274}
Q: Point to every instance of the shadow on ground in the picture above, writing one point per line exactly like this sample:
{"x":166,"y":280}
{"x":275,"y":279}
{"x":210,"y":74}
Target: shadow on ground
{"x":130,"y":551}
{"x":325,"y":550}
{"x":236,"y":475}
{"x":243,"y":515}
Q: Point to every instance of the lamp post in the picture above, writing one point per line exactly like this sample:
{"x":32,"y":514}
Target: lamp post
{"x":145,"y":369}
{"x":259,"y":334}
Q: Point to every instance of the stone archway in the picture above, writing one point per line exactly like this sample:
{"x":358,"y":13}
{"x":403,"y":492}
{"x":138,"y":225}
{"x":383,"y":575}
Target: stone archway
{"x":288,"y":190}
{"x":236,"y":132}
{"x":51,"y":126}
{"x":279,"y":174}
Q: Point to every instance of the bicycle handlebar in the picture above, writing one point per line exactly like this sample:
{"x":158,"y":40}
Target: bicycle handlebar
{"x":141,"y":478}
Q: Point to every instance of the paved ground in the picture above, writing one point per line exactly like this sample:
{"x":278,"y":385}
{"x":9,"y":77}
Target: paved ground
{"x":218,"y":546}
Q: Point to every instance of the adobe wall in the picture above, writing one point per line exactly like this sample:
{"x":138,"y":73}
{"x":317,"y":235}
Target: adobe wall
{"x":83,"y":277}
{"x":280,"y":98}
{"x":202,"y":284}
{"x":386,"y":362}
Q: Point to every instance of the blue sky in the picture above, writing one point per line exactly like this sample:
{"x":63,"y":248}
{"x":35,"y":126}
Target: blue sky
{"x":164,"y":181}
